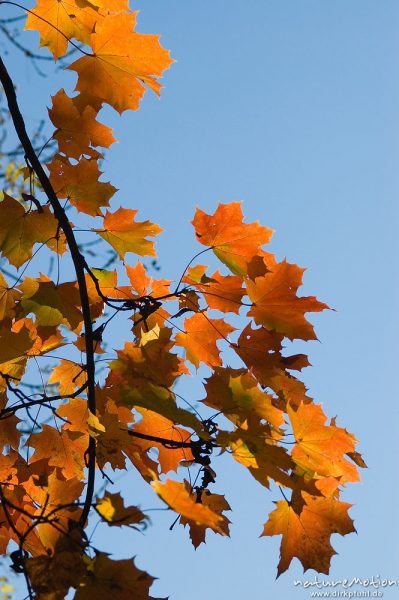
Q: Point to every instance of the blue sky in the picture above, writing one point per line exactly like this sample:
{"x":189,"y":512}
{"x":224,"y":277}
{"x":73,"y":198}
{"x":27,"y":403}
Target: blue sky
{"x":292,"y":107}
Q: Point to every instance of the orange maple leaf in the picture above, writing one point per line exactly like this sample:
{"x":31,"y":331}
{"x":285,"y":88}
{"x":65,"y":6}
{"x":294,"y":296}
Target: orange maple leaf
{"x":235,"y":243}
{"x":58,"y":20}
{"x":20,"y":230}
{"x":124,"y":234}
{"x":76,"y":127}
{"x":306,"y":530}
{"x":221,"y":292}
{"x":156,"y":425}
{"x":217,"y":503}
{"x":179,"y":498}
{"x":321,"y":448}
{"x":113,"y":511}
{"x":276,"y":305}
{"x":235,"y":392}
{"x":69,"y":375}
{"x":79,"y":183}
{"x":200,"y":339}
{"x":121,"y":65}
{"x":63,"y":449}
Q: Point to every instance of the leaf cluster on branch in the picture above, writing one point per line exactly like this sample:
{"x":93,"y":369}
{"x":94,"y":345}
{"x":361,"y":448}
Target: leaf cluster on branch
{"x":72,"y":412}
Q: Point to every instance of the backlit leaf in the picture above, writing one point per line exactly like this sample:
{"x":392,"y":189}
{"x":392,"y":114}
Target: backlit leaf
{"x":235,"y":243}
{"x":124,"y":234}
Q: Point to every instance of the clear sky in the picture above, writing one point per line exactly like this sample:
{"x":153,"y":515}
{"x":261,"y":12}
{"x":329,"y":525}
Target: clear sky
{"x":293,"y":107}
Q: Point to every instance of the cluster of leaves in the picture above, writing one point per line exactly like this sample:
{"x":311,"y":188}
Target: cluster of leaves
{"x":86,"y":427}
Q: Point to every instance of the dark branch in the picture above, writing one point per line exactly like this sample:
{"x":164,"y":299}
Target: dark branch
{"x":78,"y":262}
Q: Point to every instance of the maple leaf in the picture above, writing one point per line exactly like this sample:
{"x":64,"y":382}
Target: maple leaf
{"x":124,"y":234}
{"x":150,"y":362}
{"x":9,"y":434}
{"x":276,"y":305}
{"x":46,"y":337}
{"x":306,"y":530}
{"x":79,"y":183}
{"x":52,"y":304}
{"x":221,"y":292}
{"x":14,"y":348}
{"x":76,"y":127}
{"x":235,"y":243}
{"x":21,"y":230}
{"x":64,"y":449}
{"x":135,"y":414}
{"x":8,"y":298}
{"x":179,"y":498}
{"x":155,"y":425}
{"x":69,"y":375}
{"x":163,"y":402}
{"x":261,"y":349}
{"x":319,"y":447}
{"x":143,"y":284}
{"x":14,"y":344}
{"x":119,"y":579}
{"x":121,"y":65}
{"x":52,"y":576}
{"x":58,"y":20}
{"x":236,"y":394}
{"x":255,"y":448}
{"x":54,"y":499}
{"x":113,"y":511}
{"x":217,"y":503}
{"x":200,"y":337}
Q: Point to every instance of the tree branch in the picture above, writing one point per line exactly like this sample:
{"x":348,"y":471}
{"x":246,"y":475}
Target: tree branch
{"x":78,"y":262}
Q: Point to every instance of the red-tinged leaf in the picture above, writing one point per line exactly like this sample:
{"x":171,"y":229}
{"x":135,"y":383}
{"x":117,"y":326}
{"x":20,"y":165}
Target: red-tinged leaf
{"x":14,"y":344}
{"x":79,"y":183}
{"x":306,"y":530}
{"x":200,"y":339}
{"x":124,"y":234}
{"x":150,"y":362}
{"x":112,"y":442}
{"x":289,"y":389}
{"x":179,"y":498}
{"x":144,"y":285}
{"x":121,"y":65}
{"x":77,"y":130}
{"x":321,"y":448}
{"x":221,"y":292}
{"x":21,"y":230}
{"x":276,"y":305}
{"x":261,"y":351}
{"x":235,"y":243}
{"x":155,"y":425}
{"x":217,"y":503}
